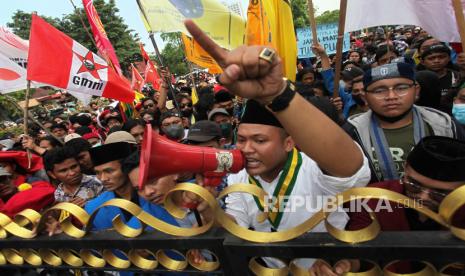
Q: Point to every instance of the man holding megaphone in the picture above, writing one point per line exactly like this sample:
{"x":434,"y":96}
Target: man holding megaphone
{"x":275,"y":120}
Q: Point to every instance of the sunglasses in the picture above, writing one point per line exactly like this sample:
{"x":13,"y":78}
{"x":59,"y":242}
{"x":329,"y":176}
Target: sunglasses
{"x":414,"y":187}
{"x":185,"y":105}
{"x":149,"y":105}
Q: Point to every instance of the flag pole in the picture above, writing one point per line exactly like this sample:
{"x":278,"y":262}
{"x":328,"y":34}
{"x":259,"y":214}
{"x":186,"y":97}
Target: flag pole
{"x":311,"y":16}
{"x":157,"y":52}
{"x":458,"y":9}
{"x":340,"y":43}
{"x":83,"y":24}
{"x":13,"y":101}
{"x":25,"y":121}
{"x":160,"y":60}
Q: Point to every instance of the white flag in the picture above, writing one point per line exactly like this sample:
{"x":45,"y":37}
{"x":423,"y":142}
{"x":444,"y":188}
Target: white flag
{"x":13,"y":46}
{"x":12,"y":76}
{"x":437,"y":17}
{"x":82,"y":97}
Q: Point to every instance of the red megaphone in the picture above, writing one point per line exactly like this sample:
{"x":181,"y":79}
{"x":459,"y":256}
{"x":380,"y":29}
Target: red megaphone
{"x":161,"y":156}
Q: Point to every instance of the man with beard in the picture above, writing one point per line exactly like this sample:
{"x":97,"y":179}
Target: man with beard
{"x":277,"y":118}
{"x":394,"y":124}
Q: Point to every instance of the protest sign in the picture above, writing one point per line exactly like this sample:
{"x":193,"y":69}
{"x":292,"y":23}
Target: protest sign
{"x":327,"y":36}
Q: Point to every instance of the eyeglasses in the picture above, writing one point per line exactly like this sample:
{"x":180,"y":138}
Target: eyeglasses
{"x":149,"y":105}
{"x":383,"y":91}
{"x":414,"y":187}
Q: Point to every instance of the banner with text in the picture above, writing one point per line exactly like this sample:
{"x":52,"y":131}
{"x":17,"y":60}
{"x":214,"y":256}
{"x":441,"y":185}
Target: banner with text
{"x":327,"y":36}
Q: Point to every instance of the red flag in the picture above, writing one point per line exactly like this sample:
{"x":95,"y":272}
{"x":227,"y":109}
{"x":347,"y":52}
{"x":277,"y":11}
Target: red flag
{"x":101,"y":39}
{"x":144,"y":53}
{"x":152,"y":76}
{"x":56,"y":59}
{"x":137,"y":81}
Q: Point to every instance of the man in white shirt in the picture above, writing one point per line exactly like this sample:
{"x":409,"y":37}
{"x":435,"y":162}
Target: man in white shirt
{"x":275,"y":121}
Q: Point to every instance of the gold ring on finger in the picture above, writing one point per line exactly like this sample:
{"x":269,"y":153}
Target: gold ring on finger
{"x":267,"y":54}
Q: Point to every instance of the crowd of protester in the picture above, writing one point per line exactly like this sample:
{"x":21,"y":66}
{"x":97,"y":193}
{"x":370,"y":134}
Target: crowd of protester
{"x":401,"y":98}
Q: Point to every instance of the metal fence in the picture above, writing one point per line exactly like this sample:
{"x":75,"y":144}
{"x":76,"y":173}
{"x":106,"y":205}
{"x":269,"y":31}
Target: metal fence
{"x":438,"y":248}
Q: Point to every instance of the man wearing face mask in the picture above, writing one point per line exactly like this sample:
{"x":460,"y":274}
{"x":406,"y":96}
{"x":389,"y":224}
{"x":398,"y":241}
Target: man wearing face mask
{"x":171,"y":126}
{"x":350,"y":75}
{"x":458,"y":109}
{"x":225,"y":121}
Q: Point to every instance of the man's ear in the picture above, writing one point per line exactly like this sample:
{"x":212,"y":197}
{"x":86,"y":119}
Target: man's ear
{"x":417,"y":91}
{"x":51,"y":174}
{"x":289,"y":144}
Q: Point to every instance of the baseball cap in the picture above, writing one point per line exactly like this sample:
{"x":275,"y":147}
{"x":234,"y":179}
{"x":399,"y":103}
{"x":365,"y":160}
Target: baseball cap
{"x":203,"y":131}
{"x":389,"y":71}
{"x":169,"y":114}
{"x":120,"y":136}
{"x":71,"y":136}
{"x":350,"y":73}
{"x":215,"y":111}
{"x":436,"y":48}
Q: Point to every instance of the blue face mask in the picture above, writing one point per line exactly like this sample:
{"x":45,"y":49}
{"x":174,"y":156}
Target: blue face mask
{"x":458,"y":111}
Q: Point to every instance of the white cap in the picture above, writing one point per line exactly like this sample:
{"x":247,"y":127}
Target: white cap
{"x":120,"y":136}
{"x":71,"y":136}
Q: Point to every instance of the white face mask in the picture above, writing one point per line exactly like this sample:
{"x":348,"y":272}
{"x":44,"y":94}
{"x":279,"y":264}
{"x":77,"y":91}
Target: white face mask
{"x":97,"y":145}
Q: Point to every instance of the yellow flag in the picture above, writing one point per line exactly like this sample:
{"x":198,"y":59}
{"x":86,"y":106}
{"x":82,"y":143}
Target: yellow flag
{"x":194,"y":96}
{"x":197,"y":55}
{"x":269,"y":22}
{"x":222,"y":25}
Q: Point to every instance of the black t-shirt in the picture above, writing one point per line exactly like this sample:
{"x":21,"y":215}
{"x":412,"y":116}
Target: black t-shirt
{"x":448,"y":86}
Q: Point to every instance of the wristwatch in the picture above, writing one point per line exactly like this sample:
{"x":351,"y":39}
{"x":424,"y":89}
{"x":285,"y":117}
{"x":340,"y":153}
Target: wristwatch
{"x":282,"y":101}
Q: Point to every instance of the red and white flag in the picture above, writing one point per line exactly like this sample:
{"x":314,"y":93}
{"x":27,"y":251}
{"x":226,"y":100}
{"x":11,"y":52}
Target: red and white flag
{"x":58,"y":60}
{"x":152,"y":76}
{"x":13,"y":47}
{"x":144,"y":54}
{"x":104,"y":45}
{"x":12,"y":76}
{"x":137,"y":81}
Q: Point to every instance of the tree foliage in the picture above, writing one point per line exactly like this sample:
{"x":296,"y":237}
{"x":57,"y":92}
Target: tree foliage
{"x":328,"y":17}
{"x":300,"y":14}
{"x":9,"y":110}
{"x":124,"y":40}
{"x":173,"y":54}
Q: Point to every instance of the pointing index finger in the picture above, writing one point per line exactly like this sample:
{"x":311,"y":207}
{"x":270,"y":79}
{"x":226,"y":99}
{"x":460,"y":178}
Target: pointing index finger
{"x":215,"y":51}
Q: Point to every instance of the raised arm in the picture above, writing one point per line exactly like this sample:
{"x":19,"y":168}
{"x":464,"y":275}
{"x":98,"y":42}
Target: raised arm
{"x":251,"y":77}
